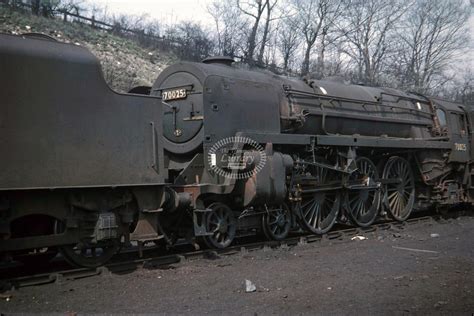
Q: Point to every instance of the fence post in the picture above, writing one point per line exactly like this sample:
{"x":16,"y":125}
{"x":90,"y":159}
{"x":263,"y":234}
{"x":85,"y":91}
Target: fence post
{"x":64,"y":16}
{"x":93,"y":21}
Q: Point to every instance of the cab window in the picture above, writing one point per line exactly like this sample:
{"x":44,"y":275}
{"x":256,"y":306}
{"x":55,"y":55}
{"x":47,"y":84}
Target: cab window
{"x":459,"y":126}
{"x":441,"y":117}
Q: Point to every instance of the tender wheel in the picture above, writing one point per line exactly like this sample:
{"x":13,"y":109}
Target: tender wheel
{"x":90,"y":256}
{"x":222,"y":224}
{"x":399,"y":191}
{"x":276,"y":222}
{"x":362,"y":204}
{"x":317,"y":211}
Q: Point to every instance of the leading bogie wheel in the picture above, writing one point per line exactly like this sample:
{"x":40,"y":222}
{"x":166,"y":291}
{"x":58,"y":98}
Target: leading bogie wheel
{"x":276,"y":222}
{"x":221,"y":224}
{"x":399,"y":190}
{"x":319,"y":207}
{"x":363,"y":200}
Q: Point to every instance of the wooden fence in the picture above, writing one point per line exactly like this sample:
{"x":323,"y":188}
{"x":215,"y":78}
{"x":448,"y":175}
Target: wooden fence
{"x":138,"y":34}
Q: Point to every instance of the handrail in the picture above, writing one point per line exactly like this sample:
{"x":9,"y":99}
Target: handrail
{"x":331,"y":98}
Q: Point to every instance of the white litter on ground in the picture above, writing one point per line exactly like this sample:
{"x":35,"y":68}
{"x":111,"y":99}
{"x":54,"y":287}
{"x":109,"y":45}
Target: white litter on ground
{"x":416,"y":250}
{"x":358,"y":238}
{"x":249,"y":286}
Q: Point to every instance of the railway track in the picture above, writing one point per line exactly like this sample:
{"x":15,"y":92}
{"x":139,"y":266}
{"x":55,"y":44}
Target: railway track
{"x":162,"y":261}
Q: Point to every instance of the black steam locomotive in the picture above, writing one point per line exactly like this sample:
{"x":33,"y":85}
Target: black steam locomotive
{"x":209,"y":152}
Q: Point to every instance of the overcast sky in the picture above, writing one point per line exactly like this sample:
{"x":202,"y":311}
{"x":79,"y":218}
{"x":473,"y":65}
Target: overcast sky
{"x":167,"y":11}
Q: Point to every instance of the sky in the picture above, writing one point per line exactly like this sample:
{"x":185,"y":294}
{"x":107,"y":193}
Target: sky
{"x":168,"y":11}
{"x":172,"y":11}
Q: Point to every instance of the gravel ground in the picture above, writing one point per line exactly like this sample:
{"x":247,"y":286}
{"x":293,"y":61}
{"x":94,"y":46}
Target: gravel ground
{"x":408,"y":271}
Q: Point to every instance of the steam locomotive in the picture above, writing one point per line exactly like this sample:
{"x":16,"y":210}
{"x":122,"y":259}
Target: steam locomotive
{"x":209,"y":152}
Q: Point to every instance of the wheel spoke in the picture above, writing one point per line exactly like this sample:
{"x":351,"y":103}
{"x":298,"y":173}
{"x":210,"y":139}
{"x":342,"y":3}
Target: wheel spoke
{"x":400,"y":196}
{"x":276,"y":223}
{"x":221,"y":224}
{"x":317,"y":212}
{"x":309,"y":209}
{"x":363,"y":204}
{"x":392,"y":194}
{"x":317,"y":216}
{"x":354,"y":199}
{"x":275,"y":228}
{"x":273,"y":222}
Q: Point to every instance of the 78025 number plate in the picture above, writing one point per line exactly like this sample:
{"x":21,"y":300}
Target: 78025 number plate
{"x":174,"y":94}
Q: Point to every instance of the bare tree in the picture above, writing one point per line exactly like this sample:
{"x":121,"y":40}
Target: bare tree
{"x":333,"y":65}
{"x":271,"y":58}
{"x":459,"y":87}
{"x":74,"y":6}
{"x":270,"y":6}
{"x":465,"y":92}
{"x":288,"y":41}
{"x":368,"y":29}
{"x":315,"y":18}
{"x":229,"y":27}
{"x":434,"y":33}
{"x":195,"y":45}
{"x":254,"y":9}
{"x":48,"y":7}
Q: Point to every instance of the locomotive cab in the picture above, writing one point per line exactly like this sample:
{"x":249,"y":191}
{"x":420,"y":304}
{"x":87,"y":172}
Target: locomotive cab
{"x":453,"y":122}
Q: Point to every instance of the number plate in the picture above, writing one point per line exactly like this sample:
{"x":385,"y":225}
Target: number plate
{"x":174,"y":94}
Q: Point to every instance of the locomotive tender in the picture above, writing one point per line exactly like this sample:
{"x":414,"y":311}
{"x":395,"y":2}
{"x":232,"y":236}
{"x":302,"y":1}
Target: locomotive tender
{"x":212,"y":152}
{"x":82,"y":165}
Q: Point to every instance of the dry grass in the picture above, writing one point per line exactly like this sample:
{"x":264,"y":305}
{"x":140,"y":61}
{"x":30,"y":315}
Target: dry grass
{"x":125,"y":64}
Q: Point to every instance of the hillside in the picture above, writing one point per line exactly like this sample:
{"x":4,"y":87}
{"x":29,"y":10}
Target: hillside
{"x":125,"y":64}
